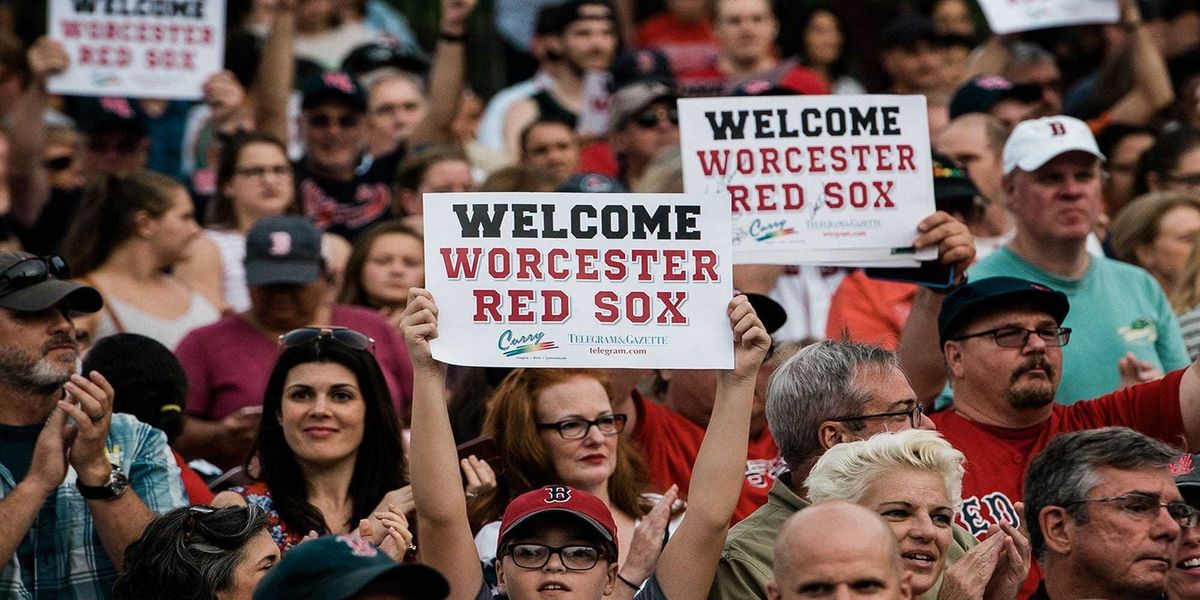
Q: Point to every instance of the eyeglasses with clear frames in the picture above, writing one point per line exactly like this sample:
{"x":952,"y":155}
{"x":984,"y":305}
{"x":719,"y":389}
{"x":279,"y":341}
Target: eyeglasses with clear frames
{"x":1143,"y":506}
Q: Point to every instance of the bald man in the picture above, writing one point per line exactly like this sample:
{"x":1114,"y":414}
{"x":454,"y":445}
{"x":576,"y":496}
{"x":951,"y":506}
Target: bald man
{"x":838,"y":550}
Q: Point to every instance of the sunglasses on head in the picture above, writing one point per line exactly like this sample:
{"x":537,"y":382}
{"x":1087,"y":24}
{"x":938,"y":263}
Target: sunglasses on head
{"x":321,"y":121}
{"x":339,"y":335}
{"x":59,"y":163}
{"x":33,"y":270}
{"x":650,"y":119}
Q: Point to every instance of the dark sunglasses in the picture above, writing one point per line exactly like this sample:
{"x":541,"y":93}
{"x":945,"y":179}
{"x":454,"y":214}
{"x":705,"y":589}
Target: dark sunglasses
{"x":59,"y":163}
{"x":124,"y":146}
{"x":320,"y":121}
{"x":33,"y":270}
{"x":650,"y":119}
{"x":339,"y":335}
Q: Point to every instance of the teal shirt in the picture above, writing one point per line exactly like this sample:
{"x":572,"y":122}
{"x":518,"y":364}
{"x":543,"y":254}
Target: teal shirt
{"x":1115,"y":308}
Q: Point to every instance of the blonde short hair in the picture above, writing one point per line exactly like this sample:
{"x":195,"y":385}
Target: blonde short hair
{"x":845,"y":471}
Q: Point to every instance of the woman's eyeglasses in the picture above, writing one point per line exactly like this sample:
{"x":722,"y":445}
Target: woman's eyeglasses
{"x":535,"y":556}
{"x":577,"y":429}
{"x":340,"y":335}
{"x":33,"y":270}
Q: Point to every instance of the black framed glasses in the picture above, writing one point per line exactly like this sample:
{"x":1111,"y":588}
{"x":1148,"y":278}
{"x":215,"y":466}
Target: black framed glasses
{"x":33,"y":270}
{"x":1017,"y":337}
{"x":913,"y":413}
{"x":260,"y":171}
{"x":340,"y":335}
{"x":1144,"y":506}
{"x":652,"y":118}
{"x":535,"y":556}
{"x":577,"y":429}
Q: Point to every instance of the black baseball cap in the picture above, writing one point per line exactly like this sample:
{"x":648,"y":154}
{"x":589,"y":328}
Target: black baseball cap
{"x":284,"y":249}
{"x":377,"y":55}
{"x":906,"y":30}
{"x":770,"y":312}
{"x":982,"y":93}
{"x":641,"y":64}
{"x":338,"y":86}
{"x":41,"y":287}
{"x":1187,"y":477}
{"x":339,"y":567}
{"x":112,"y":114}
{"x":953,"y":190}
{"x":985,"y":295}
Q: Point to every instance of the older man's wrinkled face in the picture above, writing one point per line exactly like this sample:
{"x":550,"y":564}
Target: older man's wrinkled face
{"x":38,"y":351}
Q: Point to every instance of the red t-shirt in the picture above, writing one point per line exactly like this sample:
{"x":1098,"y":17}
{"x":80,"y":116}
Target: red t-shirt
{"x":671,"y":442}
{"x":998,"y":456}
{"x":193,"y":484}
{"x":689,"y":47}
{"x":872,"y":311}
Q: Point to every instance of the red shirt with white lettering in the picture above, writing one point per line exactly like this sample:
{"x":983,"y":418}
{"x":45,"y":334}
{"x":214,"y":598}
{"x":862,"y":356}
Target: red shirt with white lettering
{"x":671,"y":441}
{"x":998,"y":456}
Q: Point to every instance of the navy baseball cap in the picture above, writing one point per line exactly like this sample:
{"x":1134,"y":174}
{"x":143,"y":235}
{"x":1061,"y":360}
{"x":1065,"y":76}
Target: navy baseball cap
{"x":591,"y":183}
{"x":283,"y":249}
{"x":339,"y":567}
{"x":337,"y":86}
{"x":1187,"y":477}
{"x":979,"y":95}
{"x":984,"y":295}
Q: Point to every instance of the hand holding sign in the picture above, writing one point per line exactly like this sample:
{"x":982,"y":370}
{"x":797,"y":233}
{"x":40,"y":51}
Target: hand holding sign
{"x":419,"y":327}
{"x":750,"y":339}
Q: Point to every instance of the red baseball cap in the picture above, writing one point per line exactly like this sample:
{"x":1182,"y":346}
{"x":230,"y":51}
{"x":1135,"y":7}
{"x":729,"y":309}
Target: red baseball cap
{"x":562,"y":499}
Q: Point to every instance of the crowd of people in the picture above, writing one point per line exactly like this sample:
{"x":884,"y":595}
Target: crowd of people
{"x":216,"y":379}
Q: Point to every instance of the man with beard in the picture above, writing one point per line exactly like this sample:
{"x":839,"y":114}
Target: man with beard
{"x":67,"y":463}
{"x":1002,"y":338}
{"x":586,"y":31}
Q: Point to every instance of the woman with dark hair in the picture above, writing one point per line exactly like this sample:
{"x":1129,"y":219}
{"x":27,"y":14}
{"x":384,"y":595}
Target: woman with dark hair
{"x":385,"y":261}
{"x":130,"y":231}
{"x":325,"y":400}
{"x":198,"y":553}
{"x":254,"y":180}
{"x":1171,"y":164}
{"x":430,"y":170}
{"x":148,"y":383}
{"x":823,"y":48}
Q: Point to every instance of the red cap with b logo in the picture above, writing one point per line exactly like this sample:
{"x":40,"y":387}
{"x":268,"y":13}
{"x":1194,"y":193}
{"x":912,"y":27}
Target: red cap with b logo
{"x":563,"y":499}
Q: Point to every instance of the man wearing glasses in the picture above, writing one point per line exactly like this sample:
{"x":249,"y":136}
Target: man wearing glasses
{"x":1104,"y":514}
{"x":67,"y":463}
{"x":1003,"y":339}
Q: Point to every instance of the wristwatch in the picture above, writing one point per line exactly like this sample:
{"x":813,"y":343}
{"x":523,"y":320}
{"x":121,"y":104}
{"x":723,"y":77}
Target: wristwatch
{"x":115,"y":486}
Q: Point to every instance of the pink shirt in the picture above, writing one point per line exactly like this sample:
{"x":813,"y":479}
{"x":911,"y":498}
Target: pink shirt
{"x":228,"y":363}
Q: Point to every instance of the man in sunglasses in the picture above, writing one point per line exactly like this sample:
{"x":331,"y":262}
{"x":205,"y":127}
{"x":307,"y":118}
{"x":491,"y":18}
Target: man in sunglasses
{"x":67,"y":463}
{"x":642,"y":123}
{"x":1002,"y":339}
{"x":1104,"y":515}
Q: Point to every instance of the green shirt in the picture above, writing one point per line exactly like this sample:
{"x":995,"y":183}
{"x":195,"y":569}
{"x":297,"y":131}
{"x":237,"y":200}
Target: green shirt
{"x":1115,"y":308}
{"x":748,"y":561}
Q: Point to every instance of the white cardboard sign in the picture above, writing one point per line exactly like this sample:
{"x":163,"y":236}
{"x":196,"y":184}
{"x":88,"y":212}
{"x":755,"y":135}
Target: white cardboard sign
{"x":580,"y":280}
{"x":138,"y":48}
{"x":1011,"y":16}
{"x":814,"y":179}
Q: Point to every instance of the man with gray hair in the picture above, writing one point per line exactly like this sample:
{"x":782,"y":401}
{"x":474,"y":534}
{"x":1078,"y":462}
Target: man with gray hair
{"x":1094,"y":508}
{"x":838,"y":549}
{"x":827,"y":393}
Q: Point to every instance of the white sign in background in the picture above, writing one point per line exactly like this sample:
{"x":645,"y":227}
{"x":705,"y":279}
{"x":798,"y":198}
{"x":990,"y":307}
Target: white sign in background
{"x":580,"y":280}
{"x":1011,"y":16}
{"x":138,"y":48}
{"x":837,"y":180}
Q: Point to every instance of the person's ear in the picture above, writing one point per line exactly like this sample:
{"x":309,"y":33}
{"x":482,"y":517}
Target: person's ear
{"x":1006,"y":184}
{"x":500,"y":577}
{"x":773,"y":591}
{"x":1057,"y":527}
{"x":142,"y":222}
{"x":954,"y":358}
{"x":830,"y":434}
{"x":1144,"y":255}
{"x":611,"y":582}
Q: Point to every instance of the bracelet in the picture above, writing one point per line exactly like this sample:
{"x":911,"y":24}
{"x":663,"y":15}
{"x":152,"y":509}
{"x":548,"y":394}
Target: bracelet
{"x":450,"y":37}
{"x":629,"y":583}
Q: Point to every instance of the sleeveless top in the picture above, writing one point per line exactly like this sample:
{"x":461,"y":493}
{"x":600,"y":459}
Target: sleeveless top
{"x":231,"y":247}
{"x":549,"y":108}
{"x":168,"y":332}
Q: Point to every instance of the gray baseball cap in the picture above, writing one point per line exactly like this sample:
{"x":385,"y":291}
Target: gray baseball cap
{"x":284,"y":249}
{"x":30,"y":283}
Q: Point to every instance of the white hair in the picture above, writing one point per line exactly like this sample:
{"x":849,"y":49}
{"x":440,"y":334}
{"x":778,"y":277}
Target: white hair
{"x":847,"y":470}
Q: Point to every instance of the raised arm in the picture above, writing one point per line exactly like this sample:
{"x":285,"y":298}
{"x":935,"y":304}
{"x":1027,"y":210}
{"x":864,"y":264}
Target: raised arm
{"x":920,"y":355}
{"x":1152,"y":89}
{"x":276,"y":74}
{"x":446,"y":75}
{"x":447,"y":544}
{"x":27,"y":132}
{"x":689,"y":562}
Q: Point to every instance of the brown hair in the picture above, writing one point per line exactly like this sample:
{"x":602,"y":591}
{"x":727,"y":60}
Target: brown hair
{"x":220,"y":212}
{"x":1137,"y":224}
{"x":512,"y":423}
{"x":520,"y":178}
{"x":352,"y":288}
{"x":107,"y":215}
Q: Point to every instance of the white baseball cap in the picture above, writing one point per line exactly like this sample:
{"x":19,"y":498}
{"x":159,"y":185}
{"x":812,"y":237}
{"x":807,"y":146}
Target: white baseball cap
{"x":1035,"y":142}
